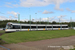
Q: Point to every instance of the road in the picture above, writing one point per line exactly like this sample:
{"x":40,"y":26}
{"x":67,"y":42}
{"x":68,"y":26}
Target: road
{"x":50,"y":44}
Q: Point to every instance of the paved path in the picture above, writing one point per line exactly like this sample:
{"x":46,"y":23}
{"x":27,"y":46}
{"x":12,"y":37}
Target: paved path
{"x":43,"y":44}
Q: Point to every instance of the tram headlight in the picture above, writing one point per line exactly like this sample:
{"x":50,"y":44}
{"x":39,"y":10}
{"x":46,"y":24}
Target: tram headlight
{"x":6,"y":29}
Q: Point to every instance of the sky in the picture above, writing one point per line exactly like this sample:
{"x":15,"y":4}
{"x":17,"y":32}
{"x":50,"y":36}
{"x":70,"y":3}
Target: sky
{"x":39,"y":10}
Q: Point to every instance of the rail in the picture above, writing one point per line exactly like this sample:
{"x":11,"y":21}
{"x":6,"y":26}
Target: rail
{"x":4,"y":47}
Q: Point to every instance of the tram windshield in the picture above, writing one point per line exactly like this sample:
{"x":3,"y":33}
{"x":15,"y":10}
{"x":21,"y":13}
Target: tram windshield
{"x":9,"y":26}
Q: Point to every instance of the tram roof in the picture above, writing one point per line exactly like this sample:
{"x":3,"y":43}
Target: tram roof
{"x":37,"y":24}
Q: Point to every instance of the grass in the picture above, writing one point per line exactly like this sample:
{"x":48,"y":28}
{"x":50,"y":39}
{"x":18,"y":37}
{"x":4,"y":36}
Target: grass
{"x":72,"y":49}
{"x":25,"y":36}
{"x":2,"y":31}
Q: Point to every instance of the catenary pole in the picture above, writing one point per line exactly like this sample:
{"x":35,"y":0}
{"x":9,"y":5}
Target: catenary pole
{"x":61,"y":24}
{"x":36,"y":22}
{"x":71,"y":21}
{"x":19,"y":21}
{"x":59,"y":21}
{"x":40,"y":20}
{"x":47,"y":22}
{"x":30,"y":22}
{"x":18,"y":18}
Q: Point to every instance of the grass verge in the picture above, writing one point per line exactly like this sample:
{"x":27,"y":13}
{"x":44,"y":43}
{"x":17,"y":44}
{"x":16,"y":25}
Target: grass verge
{"x":25,"y":36}
{"x":1,"y":33}
{"x":72,"y":49}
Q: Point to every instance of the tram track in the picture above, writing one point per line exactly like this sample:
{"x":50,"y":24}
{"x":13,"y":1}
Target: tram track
{"x":4,"y":47}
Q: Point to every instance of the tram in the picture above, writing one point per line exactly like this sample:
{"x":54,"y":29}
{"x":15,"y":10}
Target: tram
{"x":11,"y":27}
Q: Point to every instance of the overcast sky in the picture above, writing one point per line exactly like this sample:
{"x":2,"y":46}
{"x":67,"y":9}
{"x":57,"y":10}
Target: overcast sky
{"x":50,"y":10}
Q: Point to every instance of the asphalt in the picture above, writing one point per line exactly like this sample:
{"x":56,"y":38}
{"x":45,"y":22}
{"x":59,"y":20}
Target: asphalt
{"x":50,"y":44}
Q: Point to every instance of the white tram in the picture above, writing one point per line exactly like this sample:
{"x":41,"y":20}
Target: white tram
{"x":10,"y":27}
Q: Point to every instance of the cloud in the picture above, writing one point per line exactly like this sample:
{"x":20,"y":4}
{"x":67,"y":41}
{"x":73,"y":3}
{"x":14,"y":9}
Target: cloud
{"x":61,"y":16}
{"x":5,"y":18}
{"x":46,"y":19}
{"x":39,"y":3}
{"x":10,"y":16}
{"x":25,"y":20}
{"x":2,"y":18}
{"x":32,"y":3}
{"x":50,"y":19}
{"x":0,"y":6}
{"x":59,"y":9}
{"x":9,"y":6}
{"x":73,"y":11}
{"x":12,"y":5}
{"x":13,"y":13}
{"x":47,"y":12}
{"x":1,"y":13}
{"x":39,"y":11}
{"x":15,"y":5}
{"x":68,"y":9}
{"x":8,"y":3}
{"x":41,"y":19}
{"x":62,"y":19}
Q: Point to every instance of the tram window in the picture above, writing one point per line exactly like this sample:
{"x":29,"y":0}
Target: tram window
{"x":41,"y":26}
{"x":64,"y":26}
{"x":56,"y":26}
{"x":25,"y":27}
{"x":49,"y":26}
{"x":16,"y":27}
{"x":33,"y":26}
{"x":9,"y":26}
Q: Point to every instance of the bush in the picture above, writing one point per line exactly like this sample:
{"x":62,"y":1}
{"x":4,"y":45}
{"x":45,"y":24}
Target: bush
{"x":1,"y":41}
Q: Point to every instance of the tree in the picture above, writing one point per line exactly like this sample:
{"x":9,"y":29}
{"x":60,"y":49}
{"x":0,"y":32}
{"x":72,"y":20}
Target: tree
{"x":53,"y":22}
